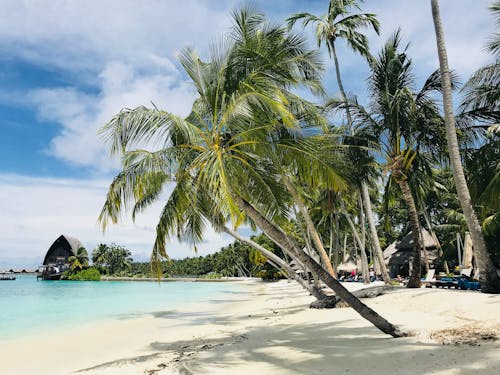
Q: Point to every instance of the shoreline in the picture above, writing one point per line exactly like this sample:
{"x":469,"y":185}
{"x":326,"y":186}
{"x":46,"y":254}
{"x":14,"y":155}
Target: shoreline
{"x":179,"y":278}
{"x":270,"y":329}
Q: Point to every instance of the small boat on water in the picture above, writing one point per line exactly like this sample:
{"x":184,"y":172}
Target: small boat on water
{"x":7,"y":276}
{"x":49,"y":273}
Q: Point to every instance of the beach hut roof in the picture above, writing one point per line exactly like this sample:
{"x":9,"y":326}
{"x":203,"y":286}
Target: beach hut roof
{"x":407,"y":242}
{"x":390,"y":250}
{"x":70,"y":244}
{"x":348,"y":265}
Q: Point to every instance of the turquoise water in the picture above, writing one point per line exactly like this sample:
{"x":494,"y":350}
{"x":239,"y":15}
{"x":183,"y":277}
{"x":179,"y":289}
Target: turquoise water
{"x":28,"y":306}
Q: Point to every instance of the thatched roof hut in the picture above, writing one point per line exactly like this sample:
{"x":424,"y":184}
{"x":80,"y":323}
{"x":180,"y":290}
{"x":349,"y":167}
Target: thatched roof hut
{"x":348,"y":265}
{"x":406,"y":243}
{"x":399,"y":255}
{"x":61,"y":250}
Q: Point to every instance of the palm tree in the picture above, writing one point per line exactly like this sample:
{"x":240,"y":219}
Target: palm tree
{"x":340,"y":23}
{"x":99,"y":255}
{"x":404,"y":123}
{"x":490,"y":281}
{"x":80,"y":260}
{"x":226,"y":147}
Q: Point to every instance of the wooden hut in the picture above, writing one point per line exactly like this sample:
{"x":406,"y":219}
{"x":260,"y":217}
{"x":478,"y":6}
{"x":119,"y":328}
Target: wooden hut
{"x":398,"y":256}
{"x":56,"y":259}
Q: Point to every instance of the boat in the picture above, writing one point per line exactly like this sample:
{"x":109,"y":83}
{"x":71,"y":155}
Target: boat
{"x":7,"y":276}
{"x":49,"y":273}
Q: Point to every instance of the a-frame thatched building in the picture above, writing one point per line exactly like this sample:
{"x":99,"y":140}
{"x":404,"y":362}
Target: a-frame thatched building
{"x":398,"y":256}
{"x":60,"y":251}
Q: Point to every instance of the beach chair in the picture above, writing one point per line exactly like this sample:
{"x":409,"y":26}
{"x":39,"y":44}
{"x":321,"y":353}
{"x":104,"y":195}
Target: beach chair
{"x":466,"y":272}
{"x":429,"y":278}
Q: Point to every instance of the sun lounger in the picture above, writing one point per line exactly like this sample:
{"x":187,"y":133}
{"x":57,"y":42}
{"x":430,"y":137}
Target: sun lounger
{"x":429,"y":278}
{"x":465,"y":284}
{"x":466,"y":272}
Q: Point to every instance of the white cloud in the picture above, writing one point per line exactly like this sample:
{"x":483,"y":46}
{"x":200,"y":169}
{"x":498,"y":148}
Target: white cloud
{"x":81,"y":114}
{"x":38,"y":210}
{"x":466,"y":28}
{"x":115,"y":54}
{"x":85,"y":35}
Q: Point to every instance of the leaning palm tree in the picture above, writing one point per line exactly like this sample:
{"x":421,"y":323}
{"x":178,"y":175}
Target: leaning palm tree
{"x":490,"y":281}
{"x":340,"y":23}
{"x":227,"y":145}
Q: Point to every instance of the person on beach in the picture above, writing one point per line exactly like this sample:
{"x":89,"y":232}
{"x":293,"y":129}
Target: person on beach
{"x":372,"y":275}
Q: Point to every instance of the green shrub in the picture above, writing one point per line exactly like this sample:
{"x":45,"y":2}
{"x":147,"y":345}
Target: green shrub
{"x":90,"y":274}
{"x":211,"y":275}
{"x":270,"y":275}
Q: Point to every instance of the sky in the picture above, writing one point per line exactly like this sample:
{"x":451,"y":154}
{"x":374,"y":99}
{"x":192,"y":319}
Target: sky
{"x":66,"y":67}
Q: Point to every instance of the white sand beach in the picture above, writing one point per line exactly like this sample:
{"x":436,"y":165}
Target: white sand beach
{"x":271,"y":330}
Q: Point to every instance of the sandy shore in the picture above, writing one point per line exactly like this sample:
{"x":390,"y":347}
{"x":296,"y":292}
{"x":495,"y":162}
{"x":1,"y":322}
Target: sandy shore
{"x":271,"y":330}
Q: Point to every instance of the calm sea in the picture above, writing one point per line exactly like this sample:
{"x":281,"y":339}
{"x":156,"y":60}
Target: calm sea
{"x":28,"y":306}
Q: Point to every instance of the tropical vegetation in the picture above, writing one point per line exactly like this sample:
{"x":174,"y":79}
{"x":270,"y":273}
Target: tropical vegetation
{"x":111,"y":259}
{"x":253,"y":152}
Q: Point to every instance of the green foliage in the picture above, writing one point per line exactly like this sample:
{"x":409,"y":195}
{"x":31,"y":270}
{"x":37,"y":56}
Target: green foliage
{"x":212,"y":276}
{"x":235,"y":260}
{"x":270,"y":275}
{"x":80,"y":261}
{"x":90,"y":274}
{"x":113,"y":259}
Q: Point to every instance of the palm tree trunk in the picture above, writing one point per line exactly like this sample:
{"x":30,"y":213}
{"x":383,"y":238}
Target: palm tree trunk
{"x":316,"y":292}
{"x":415,"y":232}
{"x":341,"y":87}
{"x":364,"y":260}
{"x":287,"y":244}
{"x":373,"y":231}
{"x":424,"y":251}
{"x":366,"y":197}
{"x":310,"y":226}
{"x":434,"y":237}
{"x":490,"y":281}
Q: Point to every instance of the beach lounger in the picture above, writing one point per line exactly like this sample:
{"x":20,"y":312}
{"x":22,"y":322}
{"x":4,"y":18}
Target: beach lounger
{"x":429,"y":278}
{"x":465,"y":284}
{"x":466,"y":272}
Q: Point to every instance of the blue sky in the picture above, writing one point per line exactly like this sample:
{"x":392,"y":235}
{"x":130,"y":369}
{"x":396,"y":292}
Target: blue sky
{"x":67,"y":66}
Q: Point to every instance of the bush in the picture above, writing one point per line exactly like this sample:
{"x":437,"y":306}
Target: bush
{"x":211,"y":275}
{"x":270,"y":275}
{"x":91,"y":274}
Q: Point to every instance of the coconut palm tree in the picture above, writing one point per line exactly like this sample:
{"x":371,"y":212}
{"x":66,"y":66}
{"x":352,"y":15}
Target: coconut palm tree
{"x":80,"y":260}
{"x":405,"y":123}
{"x":226,"y":146}
{"x":340,"y":23}
{"x":490,"y":281}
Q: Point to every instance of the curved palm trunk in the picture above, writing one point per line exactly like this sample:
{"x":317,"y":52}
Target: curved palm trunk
{"x":373,"y":231}
{"x":280,"y":238}
{"x":415,"y":232}
{"x":317,"y":293}
{"x":310,"y":226}
{"x":490,"y":281}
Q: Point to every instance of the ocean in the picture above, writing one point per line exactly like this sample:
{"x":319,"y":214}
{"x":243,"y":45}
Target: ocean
{"x":29,"y":307}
